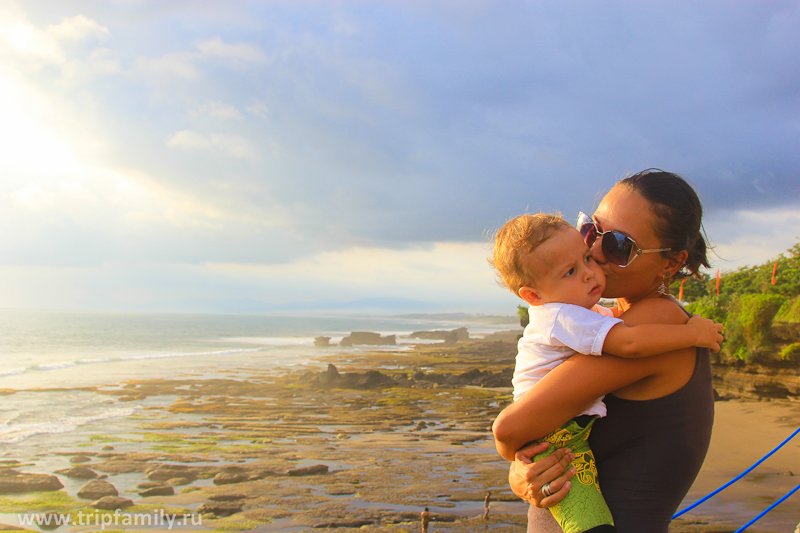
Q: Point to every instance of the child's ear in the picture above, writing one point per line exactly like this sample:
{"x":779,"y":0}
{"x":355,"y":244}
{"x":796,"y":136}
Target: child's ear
{"x":529,"y":295}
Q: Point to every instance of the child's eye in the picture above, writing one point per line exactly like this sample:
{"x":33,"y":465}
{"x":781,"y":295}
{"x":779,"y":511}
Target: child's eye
{"x":588,"y":259}
{"x":570,"y":272}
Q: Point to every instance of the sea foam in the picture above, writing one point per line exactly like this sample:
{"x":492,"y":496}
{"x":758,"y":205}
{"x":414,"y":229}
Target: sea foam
{"x":177,"y":355}
{"x":13,"y":371}
{"x":44,"y":367}
{"x":13,"y":433}
{"x":56,"y":366}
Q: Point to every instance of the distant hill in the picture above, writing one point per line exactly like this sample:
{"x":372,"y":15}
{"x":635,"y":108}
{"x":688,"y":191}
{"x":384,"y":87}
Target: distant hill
{"x":249,"y":305}
{"x":464,"y":317}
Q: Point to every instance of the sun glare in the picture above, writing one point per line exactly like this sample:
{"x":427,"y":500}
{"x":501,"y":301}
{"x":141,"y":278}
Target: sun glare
{"x":30,"y":41}
{"x":26,"y":140}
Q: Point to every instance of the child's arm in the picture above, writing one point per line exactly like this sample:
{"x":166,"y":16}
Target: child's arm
{"x":651,"y":339}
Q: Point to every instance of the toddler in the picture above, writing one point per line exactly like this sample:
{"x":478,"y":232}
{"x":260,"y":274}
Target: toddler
{"x":545,"y":261}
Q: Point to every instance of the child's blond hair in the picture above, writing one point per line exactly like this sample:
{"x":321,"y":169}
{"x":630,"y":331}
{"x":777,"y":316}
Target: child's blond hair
{"x":515,"y":242}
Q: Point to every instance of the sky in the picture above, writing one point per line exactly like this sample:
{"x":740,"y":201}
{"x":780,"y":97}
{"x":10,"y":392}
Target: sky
{"x":159,"y":155}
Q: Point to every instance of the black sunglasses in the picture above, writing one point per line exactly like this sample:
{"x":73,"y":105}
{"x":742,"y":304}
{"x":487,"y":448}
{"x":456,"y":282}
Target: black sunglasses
{"x":617,"y":247}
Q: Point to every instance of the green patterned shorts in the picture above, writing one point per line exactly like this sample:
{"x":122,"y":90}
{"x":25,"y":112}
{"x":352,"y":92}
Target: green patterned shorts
{"x":584,"y":507}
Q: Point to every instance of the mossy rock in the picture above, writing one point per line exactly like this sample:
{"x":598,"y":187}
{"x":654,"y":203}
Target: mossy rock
{"x":36,"y":501}
{"x":791,"y":353}
{"x":238,"y":524}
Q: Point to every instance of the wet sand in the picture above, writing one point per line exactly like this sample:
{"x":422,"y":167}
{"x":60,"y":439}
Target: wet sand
{"x":744,"y":432}
{"x":290,"y":452}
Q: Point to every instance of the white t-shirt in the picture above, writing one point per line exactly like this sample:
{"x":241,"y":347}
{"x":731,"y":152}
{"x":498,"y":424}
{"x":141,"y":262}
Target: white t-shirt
{"x":555,"y":332}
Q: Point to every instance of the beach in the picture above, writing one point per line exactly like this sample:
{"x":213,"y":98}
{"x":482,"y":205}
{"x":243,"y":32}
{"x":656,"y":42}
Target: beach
{"x":355,"y":440}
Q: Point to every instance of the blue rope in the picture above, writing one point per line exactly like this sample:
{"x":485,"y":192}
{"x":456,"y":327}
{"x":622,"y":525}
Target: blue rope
{"x":768,"y":509}
{"x":737,"y":478}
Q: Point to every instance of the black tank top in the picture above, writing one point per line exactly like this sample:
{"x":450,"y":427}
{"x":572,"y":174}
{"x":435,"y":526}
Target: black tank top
{"x":649,"y":452}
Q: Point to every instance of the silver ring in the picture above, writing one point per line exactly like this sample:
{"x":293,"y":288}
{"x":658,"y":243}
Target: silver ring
{"x":546,"y":490}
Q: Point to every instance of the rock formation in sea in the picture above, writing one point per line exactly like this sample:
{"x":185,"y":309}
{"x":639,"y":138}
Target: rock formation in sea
{"x":368,"y":338}
{"x":449,"y":337}
{"x":373,"y":379}
{"x":321,"y":342}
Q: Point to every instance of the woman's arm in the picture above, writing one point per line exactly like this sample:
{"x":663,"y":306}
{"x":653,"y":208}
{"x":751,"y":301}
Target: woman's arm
{"x":566,"y":390}
{"x":563,"y":393}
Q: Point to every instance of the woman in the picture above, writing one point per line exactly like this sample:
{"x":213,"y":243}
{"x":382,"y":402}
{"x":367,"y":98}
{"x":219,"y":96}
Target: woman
{"x":652,"y":443}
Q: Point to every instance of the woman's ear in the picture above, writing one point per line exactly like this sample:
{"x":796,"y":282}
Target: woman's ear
{"x":529,"y":295}
{"x":676,"y":261}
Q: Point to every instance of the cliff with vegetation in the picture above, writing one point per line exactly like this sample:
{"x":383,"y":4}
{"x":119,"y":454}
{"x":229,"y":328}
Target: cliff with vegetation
{"x":760,"y":307}
{"x":762,"y":319}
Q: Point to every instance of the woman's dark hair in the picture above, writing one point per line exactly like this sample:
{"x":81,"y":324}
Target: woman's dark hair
{"x":680,"y":215}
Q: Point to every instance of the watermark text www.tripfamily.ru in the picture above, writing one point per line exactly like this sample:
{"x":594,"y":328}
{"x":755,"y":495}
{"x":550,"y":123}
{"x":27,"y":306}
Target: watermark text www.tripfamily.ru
{"x":115,"y":519}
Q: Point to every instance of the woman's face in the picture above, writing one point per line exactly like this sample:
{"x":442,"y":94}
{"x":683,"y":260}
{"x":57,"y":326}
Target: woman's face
{"x":629,"y":213}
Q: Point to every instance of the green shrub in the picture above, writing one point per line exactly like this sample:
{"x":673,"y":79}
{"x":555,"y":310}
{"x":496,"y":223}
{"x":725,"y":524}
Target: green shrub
{"x":748,"y":325}
{"x":734,"y":348}
{"x":713,"y":307}
{"x":693,"y":288}
{"x":522,"y":312}
{"x":748,"y":320}
{"x":749,"y":304}
{"x":757,"y":311}
{"x":789,"y":311}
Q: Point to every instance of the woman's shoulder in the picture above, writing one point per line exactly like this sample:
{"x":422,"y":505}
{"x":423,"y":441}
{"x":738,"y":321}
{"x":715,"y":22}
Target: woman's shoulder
{"x":655,"y":311}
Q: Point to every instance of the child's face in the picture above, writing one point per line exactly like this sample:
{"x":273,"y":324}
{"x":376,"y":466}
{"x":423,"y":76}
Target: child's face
{"x":569,"y":274}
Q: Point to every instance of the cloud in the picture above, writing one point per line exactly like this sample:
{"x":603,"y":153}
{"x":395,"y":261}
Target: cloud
{"x":219,"y":110}
{"x":45,"y":45}
{"x":748,"y":237}
{"x":104,"y":61}
{"x":33,"y":198}
{"x":189,"y":140}
{"x":380,"y":130}
{"x":181,"y":65}
{"x":178,"y":65}
{"x":259,"y":109}
{"x":452,"y":270}
{"x":234,"y":146}
{"x":240,"y":53}
{"x":26,"y":40}
{"x":77,"y":28}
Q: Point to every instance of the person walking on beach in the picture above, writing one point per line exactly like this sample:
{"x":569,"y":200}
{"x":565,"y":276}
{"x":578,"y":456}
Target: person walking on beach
{"x":425,"y":518}
{"x":486,"y":502}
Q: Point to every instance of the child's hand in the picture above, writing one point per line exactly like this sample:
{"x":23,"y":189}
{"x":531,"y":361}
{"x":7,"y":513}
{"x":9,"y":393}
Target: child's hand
{"x":707,"y":332}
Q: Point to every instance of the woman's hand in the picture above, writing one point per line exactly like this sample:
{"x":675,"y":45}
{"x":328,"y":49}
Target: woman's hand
{"x":527,"y":478}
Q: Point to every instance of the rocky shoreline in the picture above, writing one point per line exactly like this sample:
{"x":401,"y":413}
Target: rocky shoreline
{"x":368,"y":442}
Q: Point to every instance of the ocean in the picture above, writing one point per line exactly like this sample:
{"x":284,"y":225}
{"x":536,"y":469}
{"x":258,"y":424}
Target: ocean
{"x":51,"y":360}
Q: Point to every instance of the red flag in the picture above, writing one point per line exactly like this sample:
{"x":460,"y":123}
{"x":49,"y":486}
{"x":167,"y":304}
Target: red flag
{"x":717,"y":281}
{"x":680,"y":292}
{"x":774,"y":269}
